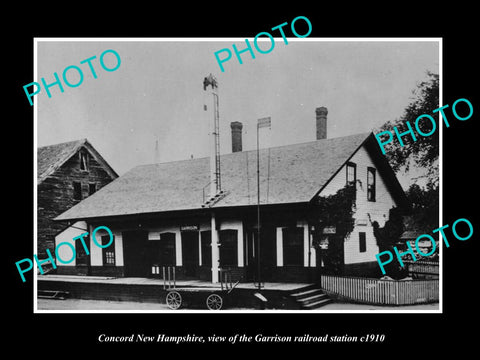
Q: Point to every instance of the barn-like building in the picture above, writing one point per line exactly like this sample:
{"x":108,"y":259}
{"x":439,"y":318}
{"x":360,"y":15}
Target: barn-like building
{"x":67,"y":173}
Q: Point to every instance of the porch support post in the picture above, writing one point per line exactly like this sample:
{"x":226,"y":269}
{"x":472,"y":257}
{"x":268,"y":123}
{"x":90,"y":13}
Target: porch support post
{"x":279,"y":246}
{"x":240,"y":246}
{"x":313,"y":253}
{"x":215,"y":250}
{"x":306,"y":244}
{"x":178,"y":248}
{"x":199,"y":248}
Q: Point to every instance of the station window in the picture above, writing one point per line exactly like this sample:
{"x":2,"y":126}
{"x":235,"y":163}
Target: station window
{"x":108,"y":253}
{"x":352,"y":177}
{"x":206,"y":244}
{"x":351,"y":174}
{"x":228,"y":248}
{"x":81,"y":253}
{"x":167,"y":249}
{"x":293,"y":246}
{"x":371,"y":184}
{"x":362,"y":241}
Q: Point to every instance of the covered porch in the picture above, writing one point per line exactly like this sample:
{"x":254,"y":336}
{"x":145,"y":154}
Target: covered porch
{"x":288,"y":250}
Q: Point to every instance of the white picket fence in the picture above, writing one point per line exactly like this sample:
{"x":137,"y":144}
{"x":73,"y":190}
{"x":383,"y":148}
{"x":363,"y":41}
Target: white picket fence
{"x":382,"y":292}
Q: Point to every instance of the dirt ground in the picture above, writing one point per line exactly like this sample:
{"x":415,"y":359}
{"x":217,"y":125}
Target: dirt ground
{"x":99,"y":305}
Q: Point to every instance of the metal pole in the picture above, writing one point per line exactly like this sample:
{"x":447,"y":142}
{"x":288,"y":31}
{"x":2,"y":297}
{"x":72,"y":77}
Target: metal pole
{"x":221,"y":279}
{"x":174,"y":279}
{"x":311,"y":271}
{"x":217,"y":144}
{"x":164,"y":280}
{"x":215,"y":251}
{"x":258,"y":210}
{"x":169,"y":279}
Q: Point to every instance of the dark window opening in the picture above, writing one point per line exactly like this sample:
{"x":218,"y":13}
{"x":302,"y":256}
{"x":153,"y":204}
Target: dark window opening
{"x":92,"y":188}
{"x":371,"y":184}
{"x":83,"y":161}
{"x":352,"y":176}
{"x":206,"y":245}
{"x":293,"y":246}
{"x":167,"y":249}
{"x":108,"y":253}
{"x":77,"y":190}
{"x":351,"y":173}
{"x":82,"y":257}
{"x":228,"y":248}
{"x":362,"y":241}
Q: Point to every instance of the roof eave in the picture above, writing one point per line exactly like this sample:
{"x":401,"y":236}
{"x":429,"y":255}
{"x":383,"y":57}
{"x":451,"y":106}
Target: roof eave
{"x":177,"y":211}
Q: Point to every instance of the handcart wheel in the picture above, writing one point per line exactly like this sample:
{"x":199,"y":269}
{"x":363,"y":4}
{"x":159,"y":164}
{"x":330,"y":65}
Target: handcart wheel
{"x":214,"y":302}
{"x":174,"y":300}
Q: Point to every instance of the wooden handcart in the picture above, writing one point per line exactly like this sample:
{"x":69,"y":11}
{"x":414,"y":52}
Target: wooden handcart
{"x":213,"y":297}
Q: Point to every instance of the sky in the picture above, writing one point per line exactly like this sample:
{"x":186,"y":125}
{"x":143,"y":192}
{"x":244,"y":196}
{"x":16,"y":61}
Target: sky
{"x":157,"y":92}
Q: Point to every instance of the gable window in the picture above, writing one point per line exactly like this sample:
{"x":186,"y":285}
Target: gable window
{"x":351,"y":173}
{"x":352,"y":177}
{"x":362,"y":239}
{"x":83,"y":161}
{"x":108,"y":253}
{"x":92,"y":187}
{"x":293,"y":246}
{"x":228,"y":247}
{"x":77,"y":190}
{"x":371,"y":184}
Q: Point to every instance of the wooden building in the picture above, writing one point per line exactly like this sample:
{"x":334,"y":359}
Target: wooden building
{"x":159,"y":215}
{"x":66,"y":174}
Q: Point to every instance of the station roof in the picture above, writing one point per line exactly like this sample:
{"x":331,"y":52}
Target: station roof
{"x":289,"y":174}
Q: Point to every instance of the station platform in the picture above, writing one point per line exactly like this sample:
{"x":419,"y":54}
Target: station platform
{"x":154,"y":290}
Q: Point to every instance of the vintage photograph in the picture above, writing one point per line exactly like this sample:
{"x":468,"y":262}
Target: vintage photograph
{"x":164,"y":184}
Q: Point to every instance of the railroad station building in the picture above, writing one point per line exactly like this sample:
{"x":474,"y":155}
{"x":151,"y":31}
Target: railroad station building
{"x":159,"y":214}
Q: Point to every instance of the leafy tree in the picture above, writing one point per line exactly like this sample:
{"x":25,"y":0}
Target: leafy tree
{"x":334,"y":210}
{"x":387,"y":237}
{"x":424,"y":152}
{"x":421,"y":154}
{"x":425,"y":207}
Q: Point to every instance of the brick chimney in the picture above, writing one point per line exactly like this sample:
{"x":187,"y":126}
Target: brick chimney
{"x":321,"y":122}
{"x":236,"y":136}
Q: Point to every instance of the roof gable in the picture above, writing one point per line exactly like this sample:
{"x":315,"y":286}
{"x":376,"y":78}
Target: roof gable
{"x":289,"y":174}
{"x":52,"y":157}
{"x":382,"y":165}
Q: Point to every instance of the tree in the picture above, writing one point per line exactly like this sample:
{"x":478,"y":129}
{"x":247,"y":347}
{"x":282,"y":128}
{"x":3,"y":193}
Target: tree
{"x":424,"y":152}
{"x":388,"y":236}
{"x":420,"y":154}
{"x":424,"y":207}
{"x":335,"y":210}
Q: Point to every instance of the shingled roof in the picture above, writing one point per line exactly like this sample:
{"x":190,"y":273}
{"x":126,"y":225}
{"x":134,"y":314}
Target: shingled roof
{"x":289,"y":174}
{"x":51,"y":157}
